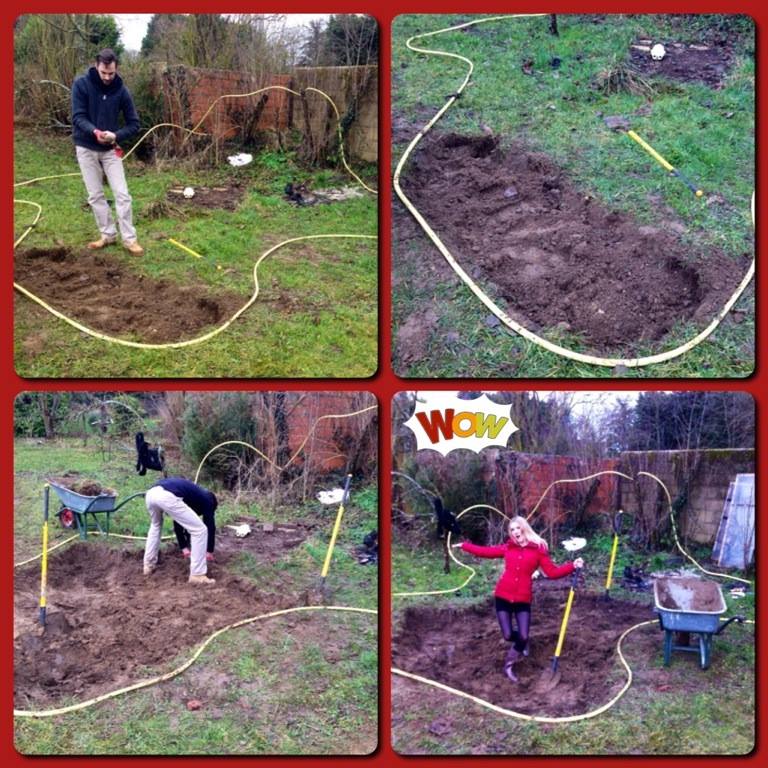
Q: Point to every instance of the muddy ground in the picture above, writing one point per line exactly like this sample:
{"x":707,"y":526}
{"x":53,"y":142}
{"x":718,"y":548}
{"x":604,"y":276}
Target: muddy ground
{"x":693,"y":62}
{"x":555,"y":257}
{"x":463,"y":648}
{"x":100,"y":291}
{"x":109,"y":625}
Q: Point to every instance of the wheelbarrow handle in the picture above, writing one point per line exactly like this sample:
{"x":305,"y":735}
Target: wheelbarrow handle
{"x":739,"y":619}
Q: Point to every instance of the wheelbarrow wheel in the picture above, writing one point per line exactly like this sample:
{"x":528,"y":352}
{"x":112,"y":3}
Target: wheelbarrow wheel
{"x":67,"y":518}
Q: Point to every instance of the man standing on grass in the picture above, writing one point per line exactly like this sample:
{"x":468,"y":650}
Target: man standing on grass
{"x":182,"y":500}
{"x":98,"y":98}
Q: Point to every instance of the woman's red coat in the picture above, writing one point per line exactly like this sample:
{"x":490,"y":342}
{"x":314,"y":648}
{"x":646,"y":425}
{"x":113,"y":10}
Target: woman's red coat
{"x":520,"y":563}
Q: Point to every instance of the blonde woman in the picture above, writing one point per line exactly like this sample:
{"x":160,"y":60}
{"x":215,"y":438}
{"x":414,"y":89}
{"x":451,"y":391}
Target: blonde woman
{"x":524,"y":552}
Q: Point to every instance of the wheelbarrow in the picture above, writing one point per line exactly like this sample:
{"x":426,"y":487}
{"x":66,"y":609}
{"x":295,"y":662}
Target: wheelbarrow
{"x":82,"y":512}
{"x":690,"y":606}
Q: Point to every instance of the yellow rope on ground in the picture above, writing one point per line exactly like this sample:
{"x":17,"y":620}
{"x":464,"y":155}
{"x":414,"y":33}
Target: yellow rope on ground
{"x":527,"y":334}
{"x":206,"y":337}
{"x":199,"y":339}
{"x":92,"y":533}
{"x":295,"y":453}
{"x":187,"y":664}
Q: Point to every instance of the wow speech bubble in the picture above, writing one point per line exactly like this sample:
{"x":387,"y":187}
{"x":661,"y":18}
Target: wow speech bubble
{"x":443,"y":422}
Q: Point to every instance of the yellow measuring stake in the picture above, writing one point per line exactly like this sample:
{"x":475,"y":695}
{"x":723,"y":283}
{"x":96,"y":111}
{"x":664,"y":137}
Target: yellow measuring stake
{"x":44,"y":567}
{"x":336,"y":526}
{"x":609,"y":578}
{"x":564,"y":623}
{"x":184,"y":248}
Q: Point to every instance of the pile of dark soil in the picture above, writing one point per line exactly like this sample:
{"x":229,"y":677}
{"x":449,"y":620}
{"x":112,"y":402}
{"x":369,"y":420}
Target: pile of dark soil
{"x":557,"y":257}
{"x":109,"y":625}
{"x":463,"y":648}
{"x":100,"y":291}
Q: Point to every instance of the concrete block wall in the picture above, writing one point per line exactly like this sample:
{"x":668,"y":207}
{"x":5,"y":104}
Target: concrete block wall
{"x":702,"y":476}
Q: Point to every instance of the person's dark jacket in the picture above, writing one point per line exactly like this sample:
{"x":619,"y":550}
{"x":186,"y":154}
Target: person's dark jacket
{"x":97,"y":105}
{"x":199,"y":499}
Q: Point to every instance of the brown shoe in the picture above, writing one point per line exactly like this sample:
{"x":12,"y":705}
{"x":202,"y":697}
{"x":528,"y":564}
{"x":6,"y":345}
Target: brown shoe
{"x":149,"y":569}
{"x":134,"y":248}
{"x":102,"y":242}
{"x":201,"y":579}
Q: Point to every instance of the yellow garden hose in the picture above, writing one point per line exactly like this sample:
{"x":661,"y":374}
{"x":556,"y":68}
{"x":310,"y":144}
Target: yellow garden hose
{"x":296,"y":452}
{"x":521,"y":330}
{"x":205,"y":337}
{"x":187,"y":664}
{"x":199,"y":339}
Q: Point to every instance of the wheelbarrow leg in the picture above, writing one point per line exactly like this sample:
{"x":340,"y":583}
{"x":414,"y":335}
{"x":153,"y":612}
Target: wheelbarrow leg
{"x":669,"y":638}
{"x":705,"y":650}
{"x":82,"y":525}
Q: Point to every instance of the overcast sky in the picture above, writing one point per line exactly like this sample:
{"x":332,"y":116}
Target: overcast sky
{"x":133,"y":26}
{"x":591,"y":404}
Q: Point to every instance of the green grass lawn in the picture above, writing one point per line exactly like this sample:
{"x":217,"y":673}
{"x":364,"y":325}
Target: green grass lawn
{"x":693,"y":712}
{"x":707,"y":133}
{"x":274,"y":687}
{"x":316,"y":315}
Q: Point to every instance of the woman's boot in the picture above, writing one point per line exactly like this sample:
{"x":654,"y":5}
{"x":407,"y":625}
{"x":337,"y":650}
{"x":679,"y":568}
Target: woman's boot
{"x":512,"y":657}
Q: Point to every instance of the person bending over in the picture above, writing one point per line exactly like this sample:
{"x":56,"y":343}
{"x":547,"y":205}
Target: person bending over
{"x":185,"y":502}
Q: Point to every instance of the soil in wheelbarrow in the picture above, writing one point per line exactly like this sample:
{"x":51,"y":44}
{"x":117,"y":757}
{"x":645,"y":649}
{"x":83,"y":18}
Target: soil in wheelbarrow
{"x":463,"y":648}
{"x":102,"y":292}
{"x":688,"y":594}
{"x":557,"y":258}
{"x":83,"y":485}
{"x":109,"y":625}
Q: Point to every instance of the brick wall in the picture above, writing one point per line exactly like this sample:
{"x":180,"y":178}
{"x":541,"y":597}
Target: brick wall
{"x":327,"y":446}
{"x":697,"y":480}
{"x":188,"y":93}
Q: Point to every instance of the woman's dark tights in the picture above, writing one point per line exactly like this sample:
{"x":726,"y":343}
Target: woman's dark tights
{"x":522,"y":613}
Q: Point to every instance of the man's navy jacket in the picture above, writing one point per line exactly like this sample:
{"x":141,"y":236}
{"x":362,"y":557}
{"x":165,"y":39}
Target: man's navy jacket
{"x":200,"y":499}
{"x":97,"y":105}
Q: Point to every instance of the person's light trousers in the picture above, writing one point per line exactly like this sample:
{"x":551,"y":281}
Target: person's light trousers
{"x":159,"y":502}
{"x":93,"y":167}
